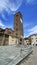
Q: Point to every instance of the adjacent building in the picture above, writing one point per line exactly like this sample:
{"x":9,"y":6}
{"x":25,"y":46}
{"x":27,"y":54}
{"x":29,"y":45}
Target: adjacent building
{"x":31,"y":40}
{"x":27,"y":41}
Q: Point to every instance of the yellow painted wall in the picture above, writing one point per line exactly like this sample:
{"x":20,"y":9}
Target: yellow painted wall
{"x":13,"y":40}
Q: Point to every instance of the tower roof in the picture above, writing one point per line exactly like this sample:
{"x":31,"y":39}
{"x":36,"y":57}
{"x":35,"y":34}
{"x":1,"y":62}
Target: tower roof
{"x":19,"y":14}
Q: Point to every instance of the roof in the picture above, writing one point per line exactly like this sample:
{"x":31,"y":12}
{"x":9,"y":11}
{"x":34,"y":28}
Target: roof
{"x":18,"y":13}
{"x":33,"y":35}
{"x":26,"y":38}
{"x":7,"y":31}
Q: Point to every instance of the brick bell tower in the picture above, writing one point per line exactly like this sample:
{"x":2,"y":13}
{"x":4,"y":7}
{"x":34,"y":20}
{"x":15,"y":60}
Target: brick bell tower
{"x":18,"y":27}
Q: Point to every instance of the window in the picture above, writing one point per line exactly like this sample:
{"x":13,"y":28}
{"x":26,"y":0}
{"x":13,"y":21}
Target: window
{"x":36,"y":40}
{"x":16,"y":34}
{"x":16,"y":15}
{"x":20,"y":39}
{"x":16,"y":29}
{"x":16,"y":24}
{"x":9,"y":32}
{"x":16,"y":19}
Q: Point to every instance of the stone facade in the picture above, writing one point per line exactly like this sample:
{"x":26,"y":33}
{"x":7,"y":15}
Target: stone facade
{"x":18,"y":27}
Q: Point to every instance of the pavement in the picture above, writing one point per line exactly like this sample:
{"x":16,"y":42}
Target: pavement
{"x":31,"y":59}
{"x":11,"y":55}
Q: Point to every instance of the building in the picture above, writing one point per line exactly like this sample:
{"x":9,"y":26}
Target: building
{"x":27,"y":41}
{"x":18,"y":27}
{"x":31,"y":40}
{"x":3,"y":37}
{"x":9,"y":36}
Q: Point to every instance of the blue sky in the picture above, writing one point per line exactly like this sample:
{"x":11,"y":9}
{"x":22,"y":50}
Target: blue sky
{"x":28,"y":8}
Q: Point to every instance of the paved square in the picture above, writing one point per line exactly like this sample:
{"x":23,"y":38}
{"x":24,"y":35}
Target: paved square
{"x":11,"y":55}
{"x":32,"y":59}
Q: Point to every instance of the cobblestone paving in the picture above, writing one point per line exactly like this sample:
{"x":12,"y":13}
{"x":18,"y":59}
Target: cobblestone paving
{"x":31,"y":59}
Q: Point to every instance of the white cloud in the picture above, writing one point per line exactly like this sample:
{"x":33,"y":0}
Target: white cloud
{"x":26,"y":25}
{"x":3,"y":5}
{"x":10,"y":5}
{"x":33,"y":30}
{"x":2,"y":25}
{"x":3,"y":16}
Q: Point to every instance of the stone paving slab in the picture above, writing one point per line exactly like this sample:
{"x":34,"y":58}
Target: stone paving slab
{"x":31,"y":59}
{"x":11,"y":55}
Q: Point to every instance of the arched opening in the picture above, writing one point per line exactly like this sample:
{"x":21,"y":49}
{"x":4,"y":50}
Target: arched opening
{"x":20,"y":40}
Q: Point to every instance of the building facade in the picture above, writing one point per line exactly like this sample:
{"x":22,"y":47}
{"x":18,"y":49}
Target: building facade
{"x":27,"y":41}
{"x":7,"y":37}
{"x":3,"y":37}
{"x":31,"y":40}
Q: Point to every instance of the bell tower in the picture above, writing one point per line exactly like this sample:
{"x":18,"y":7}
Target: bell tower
{"x":18,"y":25}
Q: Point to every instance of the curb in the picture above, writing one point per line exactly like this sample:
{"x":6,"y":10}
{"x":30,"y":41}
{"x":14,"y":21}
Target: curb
{"x":24,"y":58}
